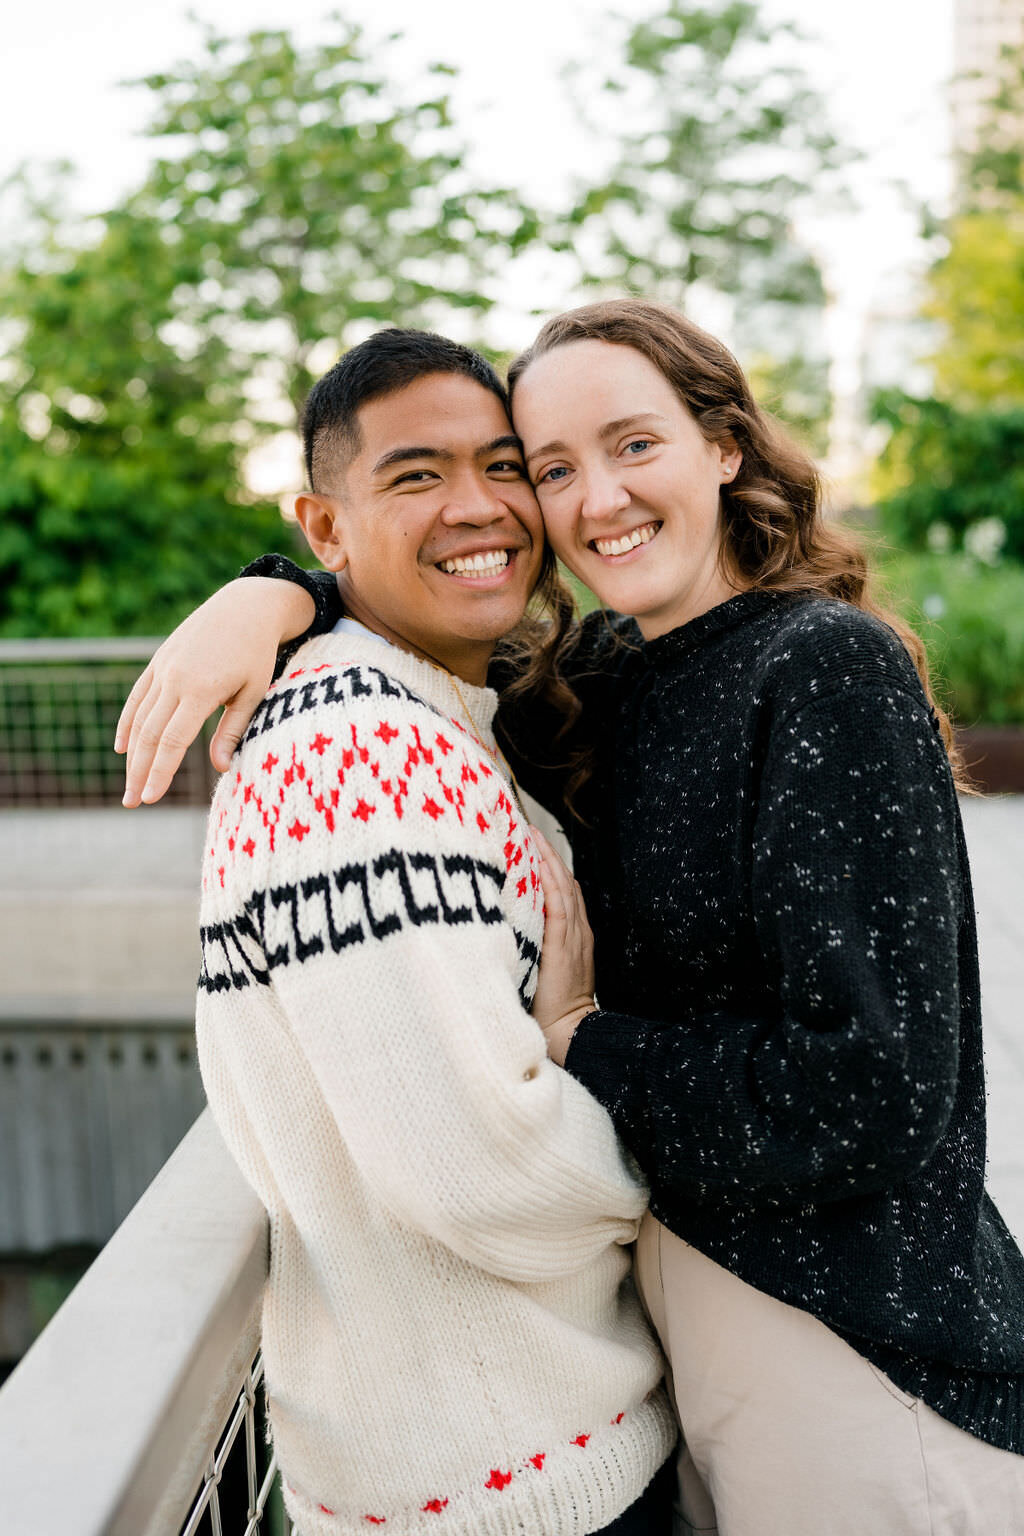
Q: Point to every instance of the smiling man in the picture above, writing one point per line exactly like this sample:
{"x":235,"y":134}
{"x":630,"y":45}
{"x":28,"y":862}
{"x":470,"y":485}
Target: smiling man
{"x":450,"y":1338}
{"x":420,"y":500}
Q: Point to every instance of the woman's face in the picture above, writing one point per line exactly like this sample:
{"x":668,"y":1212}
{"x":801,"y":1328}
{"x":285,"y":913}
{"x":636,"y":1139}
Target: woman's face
{"x":628,"y":485}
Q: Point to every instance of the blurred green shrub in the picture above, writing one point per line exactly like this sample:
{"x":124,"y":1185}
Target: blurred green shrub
{"x":971,"y":618}
{"x":951,"y":479}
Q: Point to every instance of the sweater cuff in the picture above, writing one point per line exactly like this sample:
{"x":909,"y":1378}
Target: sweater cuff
{"x":607,"y":1055}
{"x":322,"y":587}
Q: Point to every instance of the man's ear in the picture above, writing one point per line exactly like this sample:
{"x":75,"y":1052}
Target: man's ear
{"x":320,"y":520}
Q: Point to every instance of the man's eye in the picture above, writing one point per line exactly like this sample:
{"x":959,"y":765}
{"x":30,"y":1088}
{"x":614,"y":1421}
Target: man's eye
{"x":415,"y":477}
{"x":507,"y":467}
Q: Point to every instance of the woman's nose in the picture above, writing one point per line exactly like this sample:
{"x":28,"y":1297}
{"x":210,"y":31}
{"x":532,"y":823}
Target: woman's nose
{"x":604,"y":494}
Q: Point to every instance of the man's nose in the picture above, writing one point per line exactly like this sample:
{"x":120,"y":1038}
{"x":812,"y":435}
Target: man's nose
{"x":474,"y":501}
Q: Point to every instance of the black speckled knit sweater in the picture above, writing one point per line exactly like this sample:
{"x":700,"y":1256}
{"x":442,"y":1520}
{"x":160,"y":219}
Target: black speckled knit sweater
{"x":789,"y":1036}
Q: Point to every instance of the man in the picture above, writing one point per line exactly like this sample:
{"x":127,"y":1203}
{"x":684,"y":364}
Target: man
{"x":450,"y":1337}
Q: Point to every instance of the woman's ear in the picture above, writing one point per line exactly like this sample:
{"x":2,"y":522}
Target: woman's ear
{"x":320,"y":520}
{"x":730,"y":458}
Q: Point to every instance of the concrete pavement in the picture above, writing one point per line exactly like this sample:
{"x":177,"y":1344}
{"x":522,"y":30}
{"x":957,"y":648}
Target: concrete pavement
{"x":995,"y":837}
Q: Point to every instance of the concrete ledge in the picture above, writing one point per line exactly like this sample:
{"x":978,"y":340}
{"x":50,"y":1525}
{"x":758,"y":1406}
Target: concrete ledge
{"x":109,"y":1420}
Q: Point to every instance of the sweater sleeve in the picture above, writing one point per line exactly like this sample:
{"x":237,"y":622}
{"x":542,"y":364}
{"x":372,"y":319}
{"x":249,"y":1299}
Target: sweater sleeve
{"x":322,"y":587}
{"x":847,"y":1084}
{"x":377,"y":940}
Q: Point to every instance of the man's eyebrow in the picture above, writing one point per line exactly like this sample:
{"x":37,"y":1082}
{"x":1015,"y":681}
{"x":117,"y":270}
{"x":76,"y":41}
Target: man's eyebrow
{"x":508,"y":440}
{"x":444,"y":455}
{"x":403,"y":455}
{"x":610,"y":429}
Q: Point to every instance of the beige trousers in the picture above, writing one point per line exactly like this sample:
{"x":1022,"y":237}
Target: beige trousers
{"x":789,"y":1432}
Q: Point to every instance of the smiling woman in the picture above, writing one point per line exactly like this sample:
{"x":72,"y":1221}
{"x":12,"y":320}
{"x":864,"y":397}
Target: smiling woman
{"x":631,"y":499}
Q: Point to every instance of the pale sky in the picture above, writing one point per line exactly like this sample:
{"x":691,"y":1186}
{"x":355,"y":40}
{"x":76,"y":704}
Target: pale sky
{"x":882,"y":64}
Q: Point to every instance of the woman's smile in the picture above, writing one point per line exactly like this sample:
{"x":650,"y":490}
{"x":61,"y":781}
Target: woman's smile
{"x":628,"y":484}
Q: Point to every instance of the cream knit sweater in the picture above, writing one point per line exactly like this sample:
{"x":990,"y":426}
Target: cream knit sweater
{"x":451,"y":1338}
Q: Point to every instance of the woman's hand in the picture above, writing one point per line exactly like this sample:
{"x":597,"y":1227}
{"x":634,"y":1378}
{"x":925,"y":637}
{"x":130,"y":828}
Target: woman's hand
{"x":565,"y":983}
{"x":224,"y":653}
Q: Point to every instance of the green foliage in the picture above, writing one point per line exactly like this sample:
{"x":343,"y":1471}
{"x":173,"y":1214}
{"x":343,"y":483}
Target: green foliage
{"x":796,"y":390}
{"x":296,"y":198}
{"x":971,"y":618}
{"x":951,"y":478}
{"x":952,"y":474}
{"x":976,"y":293}
{"x":116,"y":453}
{"x":729,"y":139}
{"x":991,"y":171}
{"x":304,"y":196}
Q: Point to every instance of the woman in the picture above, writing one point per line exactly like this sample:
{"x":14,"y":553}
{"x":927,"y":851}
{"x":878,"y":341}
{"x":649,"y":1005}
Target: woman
{"x":765,"y":829}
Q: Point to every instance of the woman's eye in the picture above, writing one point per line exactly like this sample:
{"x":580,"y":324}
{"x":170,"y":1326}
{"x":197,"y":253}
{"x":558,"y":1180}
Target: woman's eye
{"x":555,"y":473}
{"x":640,"y":446}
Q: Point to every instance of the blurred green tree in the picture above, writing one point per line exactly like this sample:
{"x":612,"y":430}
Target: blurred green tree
{"x":952,"y":473}
{"x":118,"y":462}
{"x":976,"y":289}
{"x":305,"y":197}
{"x":727,"y":139}
{"x":976,"y":294}
{"x":298,"y":197}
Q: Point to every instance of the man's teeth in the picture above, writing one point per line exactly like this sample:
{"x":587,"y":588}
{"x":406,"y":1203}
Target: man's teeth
{"x":477,"y":565}
{"x":629,"y":541}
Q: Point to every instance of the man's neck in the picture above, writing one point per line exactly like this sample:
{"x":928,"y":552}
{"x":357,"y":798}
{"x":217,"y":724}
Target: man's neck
{"x":467,"y":661}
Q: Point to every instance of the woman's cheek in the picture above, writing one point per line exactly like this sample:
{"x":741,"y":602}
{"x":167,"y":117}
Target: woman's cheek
{"x":558,"y":535}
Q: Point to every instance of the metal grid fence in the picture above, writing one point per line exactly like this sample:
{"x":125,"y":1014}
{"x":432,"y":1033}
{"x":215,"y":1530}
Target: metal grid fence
{"x":240,"y":1481}
{"x":59,"y":705}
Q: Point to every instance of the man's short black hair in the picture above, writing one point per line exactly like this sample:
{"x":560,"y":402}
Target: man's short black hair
{"x":386,"y":362}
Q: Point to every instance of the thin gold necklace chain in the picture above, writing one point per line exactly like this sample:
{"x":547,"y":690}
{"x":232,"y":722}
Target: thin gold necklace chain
{"x":494,"y":753}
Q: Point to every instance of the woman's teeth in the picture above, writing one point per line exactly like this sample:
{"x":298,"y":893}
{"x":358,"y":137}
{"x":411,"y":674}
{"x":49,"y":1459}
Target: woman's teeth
{"x":489,"y":564}
{"x":629,"y":541}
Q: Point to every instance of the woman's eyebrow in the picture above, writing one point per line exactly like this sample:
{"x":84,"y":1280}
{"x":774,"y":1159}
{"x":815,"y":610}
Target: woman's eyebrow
{"x":552,"y":447}
{"x":623,"y":424}
{"x":610,"y":429}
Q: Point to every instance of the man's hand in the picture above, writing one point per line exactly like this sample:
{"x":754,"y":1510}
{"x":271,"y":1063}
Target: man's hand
{"x":565,"y":984}
{"x":224,"y":653}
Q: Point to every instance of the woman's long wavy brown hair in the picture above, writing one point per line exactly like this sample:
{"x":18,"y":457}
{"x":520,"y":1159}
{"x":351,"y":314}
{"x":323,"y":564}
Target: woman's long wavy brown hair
{"x":775,"y":536}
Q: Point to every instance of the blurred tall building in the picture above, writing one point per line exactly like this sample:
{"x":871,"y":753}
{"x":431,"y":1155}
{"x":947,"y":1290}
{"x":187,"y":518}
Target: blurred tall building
{"x":981,"y":30}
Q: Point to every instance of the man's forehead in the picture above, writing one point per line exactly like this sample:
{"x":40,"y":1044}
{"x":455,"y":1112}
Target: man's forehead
{"x":444,"y":412}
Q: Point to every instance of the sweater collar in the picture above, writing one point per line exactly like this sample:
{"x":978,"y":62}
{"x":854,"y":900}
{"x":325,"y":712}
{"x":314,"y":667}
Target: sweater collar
{"x":669,"y":648}
{"x":434,"y":685}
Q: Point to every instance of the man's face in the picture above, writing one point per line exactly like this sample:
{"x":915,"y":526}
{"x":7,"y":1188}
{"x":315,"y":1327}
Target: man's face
{"x":440,"y":536}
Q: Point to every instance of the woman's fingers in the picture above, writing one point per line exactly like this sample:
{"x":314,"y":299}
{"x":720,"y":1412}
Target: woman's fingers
{"x":154,"y":710}
{"x":176,"y":735}
{"x":553,"y":879}
{"x":147,"y":730}
{"x":126,"y":719}
{"x":561,"y":890}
